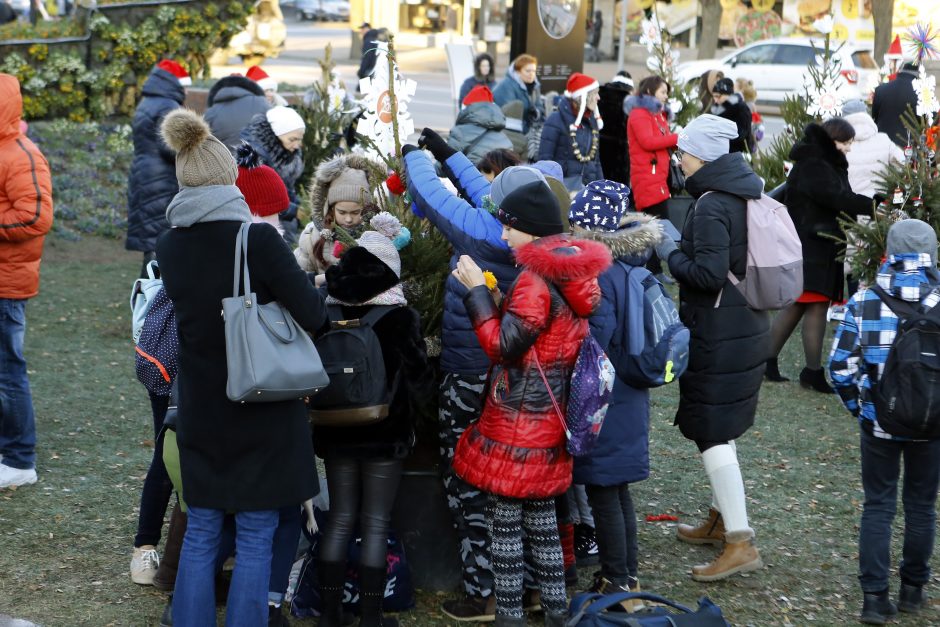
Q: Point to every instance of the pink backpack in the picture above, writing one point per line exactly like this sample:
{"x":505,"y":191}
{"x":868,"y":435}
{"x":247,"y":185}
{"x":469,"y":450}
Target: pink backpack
{"x":774,"y":275}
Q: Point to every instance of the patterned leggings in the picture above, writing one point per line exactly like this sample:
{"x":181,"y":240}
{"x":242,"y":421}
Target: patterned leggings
{"x":508,"y":518}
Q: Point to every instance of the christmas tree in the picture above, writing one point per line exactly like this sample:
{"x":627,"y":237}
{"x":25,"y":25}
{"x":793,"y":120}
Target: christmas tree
{"x":664,"y":61}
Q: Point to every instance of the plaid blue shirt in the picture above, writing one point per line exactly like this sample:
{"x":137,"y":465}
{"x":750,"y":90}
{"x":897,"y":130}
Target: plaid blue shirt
{"x":864,"y":338}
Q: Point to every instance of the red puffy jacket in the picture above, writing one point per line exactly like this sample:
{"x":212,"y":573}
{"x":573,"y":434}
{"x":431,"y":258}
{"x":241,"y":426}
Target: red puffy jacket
{"x":25,"y":199}
{"x":517,"y":448}
{"x":649,"y":140}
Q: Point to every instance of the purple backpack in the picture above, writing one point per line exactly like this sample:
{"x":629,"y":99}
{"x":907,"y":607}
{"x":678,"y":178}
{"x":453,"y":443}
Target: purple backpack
{"x":592,"y":381}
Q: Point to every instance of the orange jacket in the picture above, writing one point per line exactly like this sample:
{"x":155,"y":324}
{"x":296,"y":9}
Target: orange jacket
{"x":25,"y":199}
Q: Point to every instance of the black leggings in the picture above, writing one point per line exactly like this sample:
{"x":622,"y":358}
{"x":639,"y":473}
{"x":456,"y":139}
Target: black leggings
{"x":363,"y":488}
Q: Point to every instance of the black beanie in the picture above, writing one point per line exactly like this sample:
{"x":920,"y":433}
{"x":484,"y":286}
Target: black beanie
{"x":533,"y":209}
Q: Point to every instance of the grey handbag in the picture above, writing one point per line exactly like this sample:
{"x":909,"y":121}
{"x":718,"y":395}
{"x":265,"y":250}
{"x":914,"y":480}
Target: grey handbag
{"x":268,"y":355}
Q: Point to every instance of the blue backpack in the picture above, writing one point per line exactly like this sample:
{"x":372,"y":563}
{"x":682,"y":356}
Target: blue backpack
{"x":654,"y":347}
{"x":593,"y":610}
{"x":157,"y":347}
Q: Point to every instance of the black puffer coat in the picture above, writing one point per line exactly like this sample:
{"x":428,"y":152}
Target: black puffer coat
{"x":358,"y":277}
{"x":152,"y":182}
{"x":736,"y":110}
{"x":731,"y":342}
{"x":261,"y":139}
{"x":890,"y":101}
{"x":614,"y":151}
{"x":233,"y":103}
{"x":818,"y":191}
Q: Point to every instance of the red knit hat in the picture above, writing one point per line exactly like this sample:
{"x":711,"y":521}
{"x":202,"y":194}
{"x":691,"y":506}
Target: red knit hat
{"x":176,"y":70}
{"x":261,"y":77}
{"x":578,"y":87}
{"x":894,"y":50}
{"x":263,"y":189}
{"x":480,"y":93}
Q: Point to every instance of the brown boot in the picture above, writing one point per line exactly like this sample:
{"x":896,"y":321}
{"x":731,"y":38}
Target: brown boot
{"x":738,"y":556}
{"x":712,"y":531}
{"x":165,"y":579}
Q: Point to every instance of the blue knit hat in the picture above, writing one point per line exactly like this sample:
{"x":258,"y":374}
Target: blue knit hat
{"x":600,"y":206}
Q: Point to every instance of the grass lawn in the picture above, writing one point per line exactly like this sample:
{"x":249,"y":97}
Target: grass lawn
{"x":65,"y":542}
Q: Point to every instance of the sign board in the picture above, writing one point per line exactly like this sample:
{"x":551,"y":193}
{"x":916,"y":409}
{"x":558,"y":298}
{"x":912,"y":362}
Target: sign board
{"x":554,"y":31}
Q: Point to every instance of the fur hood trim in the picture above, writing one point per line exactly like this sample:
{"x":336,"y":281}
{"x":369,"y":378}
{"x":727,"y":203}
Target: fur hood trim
{"x":561,"y":258}
{"x":817,"y":143}
{"x":647,"y":102}
{"x":234,"y":82}
{"x":635,"y":239}
{"x":327,"y":172}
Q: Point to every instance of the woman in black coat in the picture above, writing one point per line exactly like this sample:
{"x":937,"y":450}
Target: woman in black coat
{"x":246,"y":458}
{"x":364,"y":463}
{"x":818,"y":192}
{"x":151,"y":183}
{"x":731,"y":106}
{"x":729,"y":345}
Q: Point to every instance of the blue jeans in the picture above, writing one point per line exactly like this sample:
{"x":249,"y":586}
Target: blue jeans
{"x":286,"y":538}
{"x":17,"y":422}
{"x":881,"y":463}
{"x":194,"y":597}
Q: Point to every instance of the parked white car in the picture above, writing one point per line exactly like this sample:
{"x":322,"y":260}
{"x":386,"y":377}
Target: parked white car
{"x":778,"y":67}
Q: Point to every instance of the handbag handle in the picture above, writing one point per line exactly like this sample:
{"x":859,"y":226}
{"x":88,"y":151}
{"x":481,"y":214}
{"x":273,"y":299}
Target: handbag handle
{"x":610,"y":600}
{"x":241,"y":254}
{"x":551,"y":395}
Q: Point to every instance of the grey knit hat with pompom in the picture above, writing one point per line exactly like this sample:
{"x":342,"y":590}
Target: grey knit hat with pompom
{"x":201,"y":159}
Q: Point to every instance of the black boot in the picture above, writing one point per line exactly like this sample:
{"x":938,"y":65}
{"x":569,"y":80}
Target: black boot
{"x":911,"y":599}
{"x":877,"y":608}
{"x":167,"y":619}
{"x":371,"y":596}
{"x":165,"y":578}
{"x":332,"y":578}
{"x":815,"y":379}
{"x":773,"y":372}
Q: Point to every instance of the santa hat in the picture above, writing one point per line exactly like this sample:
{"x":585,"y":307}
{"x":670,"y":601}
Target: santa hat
{"x":578,"y":87}
{"x":176,"y":70}
{"x":480,"y":93}
{"x":261,"y":77}
{"x":894,"y":50}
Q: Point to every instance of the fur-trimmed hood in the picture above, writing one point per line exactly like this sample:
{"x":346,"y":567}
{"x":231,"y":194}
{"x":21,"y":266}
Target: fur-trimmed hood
{"x":644,"y":101}
{"x":571,"y":264}
{"x":259,"y":137}
{"x":359,"y":277}
{"x":327,"y":172}
{"x":633,"y":242}
{"x":816,"y":144}
{"x":864,"y":125}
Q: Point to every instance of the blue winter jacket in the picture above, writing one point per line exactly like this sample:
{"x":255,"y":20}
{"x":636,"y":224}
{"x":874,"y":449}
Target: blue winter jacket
{"x":471,"y":231}
{"x":621,"y":454}
{"x":555,"y":145}
{"x":152,"y":184}
{"x":512,"y":88}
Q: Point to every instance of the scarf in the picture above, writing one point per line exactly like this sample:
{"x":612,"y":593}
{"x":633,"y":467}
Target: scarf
{"x":209,"y":203}
{"x":392,"y":296}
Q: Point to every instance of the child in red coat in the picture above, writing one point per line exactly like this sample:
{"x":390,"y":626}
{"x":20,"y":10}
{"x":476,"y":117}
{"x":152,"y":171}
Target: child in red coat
{"x":516,"y":451}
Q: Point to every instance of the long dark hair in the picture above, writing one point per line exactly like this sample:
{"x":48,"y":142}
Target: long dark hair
{"x":839,"y":129}
{"x":495,"y":161}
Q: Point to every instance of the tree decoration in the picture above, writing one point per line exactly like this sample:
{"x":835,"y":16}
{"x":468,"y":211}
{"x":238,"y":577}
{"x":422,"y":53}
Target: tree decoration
{"x":825,"y":100}
{"x":386,"y":121}
{"x":664,"y":60}
{"x":921,"y":42}
{"x":926,"y":89}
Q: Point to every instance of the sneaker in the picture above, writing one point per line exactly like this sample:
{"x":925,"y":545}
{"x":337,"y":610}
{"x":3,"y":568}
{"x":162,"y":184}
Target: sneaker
{"x":471,"y":609}
{"x":144,"y":565}
{"x":585,"y":545}
{"x":14,"y":477}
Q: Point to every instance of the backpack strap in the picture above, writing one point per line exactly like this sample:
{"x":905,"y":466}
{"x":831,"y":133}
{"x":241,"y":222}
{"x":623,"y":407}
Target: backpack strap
{"x":372,"y":317}
{"x":901,"y":308}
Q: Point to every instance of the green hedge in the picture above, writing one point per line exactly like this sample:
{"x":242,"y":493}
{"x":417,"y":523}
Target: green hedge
{"x":94,"y":65}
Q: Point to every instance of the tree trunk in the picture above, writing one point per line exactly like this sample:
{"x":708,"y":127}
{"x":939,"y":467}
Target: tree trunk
{"x":711,"y":20}
{"x":882,"y":12}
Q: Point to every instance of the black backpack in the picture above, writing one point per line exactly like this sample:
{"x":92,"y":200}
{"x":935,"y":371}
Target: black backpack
{"x":907,"y":397}
{"x":358,"y":393}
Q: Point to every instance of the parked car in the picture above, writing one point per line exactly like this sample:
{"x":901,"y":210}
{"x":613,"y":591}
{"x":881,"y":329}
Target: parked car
{"x":21,"y":7}
{"x":264,"y":35}
{"x":778,"y":67}
{"x":322,"y":10}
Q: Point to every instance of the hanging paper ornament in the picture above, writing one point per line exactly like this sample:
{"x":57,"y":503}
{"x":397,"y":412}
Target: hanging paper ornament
{"x":908,"y":152}
{"x":824,"y":24}
{"x":651,"y":33}
{"x":926,"y":89}
{"x":825,"y":100}
{"x":898,"y":196}
{"x":377,"y":121}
